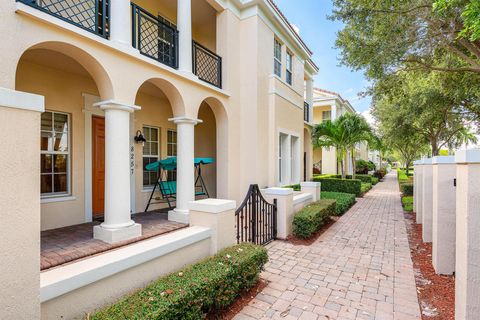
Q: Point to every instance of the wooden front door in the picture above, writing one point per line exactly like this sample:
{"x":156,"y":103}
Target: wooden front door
{"x":98,"y":166}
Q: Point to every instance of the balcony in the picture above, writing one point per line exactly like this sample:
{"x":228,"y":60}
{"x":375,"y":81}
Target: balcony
{"x":306,"y":112}
{"x":90,"y":15}
{"x":207,"y":66}
{"x":154,"y":38}
{"x":153,"y":35}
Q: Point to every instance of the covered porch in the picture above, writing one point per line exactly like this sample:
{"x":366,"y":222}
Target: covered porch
{"x":70,"y":244}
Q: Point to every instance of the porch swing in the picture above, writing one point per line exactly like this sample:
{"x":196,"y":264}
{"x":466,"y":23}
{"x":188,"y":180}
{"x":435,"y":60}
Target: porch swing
{"x":167,"y":186}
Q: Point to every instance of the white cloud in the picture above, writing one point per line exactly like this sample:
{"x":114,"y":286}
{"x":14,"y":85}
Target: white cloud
{"x":368,"y":116}
{"x":296,"y":28}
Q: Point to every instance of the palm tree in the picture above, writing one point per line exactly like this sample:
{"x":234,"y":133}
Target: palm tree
{"x":332,"y":134}
{"x":377,"y":143}
{"x":358,"y":131}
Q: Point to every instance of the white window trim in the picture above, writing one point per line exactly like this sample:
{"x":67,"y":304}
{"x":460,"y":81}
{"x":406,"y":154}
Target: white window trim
{"x":150,"y":186}
{"x":288,"y":178}
{"x":275,"y":59}
{"x":60,"y":195}
{"x":289,"y":70}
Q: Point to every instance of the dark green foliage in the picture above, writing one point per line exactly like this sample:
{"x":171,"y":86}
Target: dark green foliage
{"x":340,"y":185}
{"x":374,"y":181}
{"x":380,"y":173}
{"x":211,"y":284}
{"x":407,"y":203}
{"x":309,"y":220}
{"x":407,"y":189}
{"x":344,"y":200}
{"x":364,"y":166}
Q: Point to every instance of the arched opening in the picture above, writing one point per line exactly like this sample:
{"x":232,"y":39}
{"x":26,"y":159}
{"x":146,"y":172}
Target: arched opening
{"x":211,"y":142}
{"x":71,"y":81}
{"x":159,"y":101}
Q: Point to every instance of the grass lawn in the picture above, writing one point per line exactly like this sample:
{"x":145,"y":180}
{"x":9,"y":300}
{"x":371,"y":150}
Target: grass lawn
{"x":407,"y":203}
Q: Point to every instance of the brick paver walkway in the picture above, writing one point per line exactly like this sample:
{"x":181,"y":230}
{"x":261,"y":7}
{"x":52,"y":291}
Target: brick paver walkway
{"x":360,"y":268}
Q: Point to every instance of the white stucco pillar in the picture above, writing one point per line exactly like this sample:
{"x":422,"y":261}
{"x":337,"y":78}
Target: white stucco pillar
{"x":117,"y":225}
{"x":285,"y":211}
{"x":415,"y":185}
{"x":184,"y":25}
{"x":185,"y":168}
{"x":418,"y":172}
{"x":467,"y":249}
{"x":311,"y":187}
{"x":427,"y":200}
{"x":443,"y":221}
{"x":121,"y":22}
{"x":309,"y":97}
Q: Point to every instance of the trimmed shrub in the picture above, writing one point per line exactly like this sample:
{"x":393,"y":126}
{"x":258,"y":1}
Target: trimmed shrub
{"x":374,"y":181}
{"x":362,"y":177}
{"x":364,"y":166}
{"x":366,"y":187}
{"x":380,"y":173}
{"x":211,"y":284}
{"x":344,"y":200}
{"x":407,"y":203}
{"x":295,"y":187}
{"x":309,"y":220}
{"x":407,"y":189}
{"x":353,"y":186}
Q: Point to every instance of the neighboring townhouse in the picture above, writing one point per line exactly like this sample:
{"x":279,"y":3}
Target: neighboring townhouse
{"x":108,"y":87}
{"x":328,"y":105}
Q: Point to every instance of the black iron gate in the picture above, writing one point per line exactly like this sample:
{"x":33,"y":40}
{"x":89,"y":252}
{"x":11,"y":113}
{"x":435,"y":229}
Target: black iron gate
{"x":256,"y":218}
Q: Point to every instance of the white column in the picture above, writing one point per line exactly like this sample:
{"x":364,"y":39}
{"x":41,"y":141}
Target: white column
{"x":184,"y":25}
{"x":427,"y":200}
{"x":443,"y":221}
{"x":118,"y":225}
{"x":415,"y":185}
{"x":285,"y":212}
{"x":309,"y":97}
{"x":419,"y":203}
{"x":185,"y":168}
{"x":467,"y":265}
{"x":121,"y":22}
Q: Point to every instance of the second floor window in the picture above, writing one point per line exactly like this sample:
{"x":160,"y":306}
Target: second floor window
{"x":277,"y":58}
{"x":289,"y":68}
{"x":151,"y":153}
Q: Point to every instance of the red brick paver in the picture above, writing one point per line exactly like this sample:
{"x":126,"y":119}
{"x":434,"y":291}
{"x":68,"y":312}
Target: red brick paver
{"x":360,"y":268}
{"x":63,"y":245}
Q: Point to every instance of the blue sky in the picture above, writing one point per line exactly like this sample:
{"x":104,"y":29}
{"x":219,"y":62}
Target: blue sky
{"x":310,"y":16}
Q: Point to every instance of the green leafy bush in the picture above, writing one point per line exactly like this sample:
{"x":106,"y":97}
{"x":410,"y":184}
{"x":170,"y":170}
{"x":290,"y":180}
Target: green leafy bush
{"x":362,"y":177}
{"x":353,"y":186}
{"x":380,"y":173}
{"x":211,"y":284}
{"x":366,"y":187}
{"x":407,"y":189}
{"x":374,"y":181}
{"x":344,"y":200}
{"x":309,"y":220}
{"x":407,"y":203}
{"x":364,"y":166}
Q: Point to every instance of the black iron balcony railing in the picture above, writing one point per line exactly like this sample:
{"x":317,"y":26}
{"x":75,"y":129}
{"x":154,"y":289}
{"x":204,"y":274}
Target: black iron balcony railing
{"x":306,"y":111}
{"x":207,"y":65}
{"x":153,"y":37}
{"x":90,"y":15}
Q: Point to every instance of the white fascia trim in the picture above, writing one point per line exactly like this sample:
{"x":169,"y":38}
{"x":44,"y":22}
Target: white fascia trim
{"x":127,"y":50}
{"x":467,"y":156}
{"x":302,"y":197}
{"x":443,"y":160}
{"x":276,"y":191}
{"x":61,"y":280}
{"x":21,"y":100}
{"x":277,"y":92}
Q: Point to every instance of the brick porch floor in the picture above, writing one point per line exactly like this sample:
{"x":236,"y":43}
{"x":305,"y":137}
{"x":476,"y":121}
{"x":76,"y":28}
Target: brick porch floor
{"x":360,"y":268}
{"x":63,"y":245}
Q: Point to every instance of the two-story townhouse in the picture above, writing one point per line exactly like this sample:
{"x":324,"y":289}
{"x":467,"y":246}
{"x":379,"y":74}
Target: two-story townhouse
{"x":328,"y":105}
{"x":110,"y":86}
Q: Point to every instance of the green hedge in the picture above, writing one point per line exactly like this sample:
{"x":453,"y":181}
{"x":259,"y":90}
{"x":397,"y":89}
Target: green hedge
{"x":353,"y":186}
{"x":211,"y":284}
{"x":344,"y":200}
{"x":407,"y":189}
{"x":295,"y":187}
{"x":309,"y":220}
{"x":366,"y":187}
{"x":407,"y":203}
{"x":374,"y":181}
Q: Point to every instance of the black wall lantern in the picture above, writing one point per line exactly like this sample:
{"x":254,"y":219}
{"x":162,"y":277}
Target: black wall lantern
{"x":139,"y":138}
